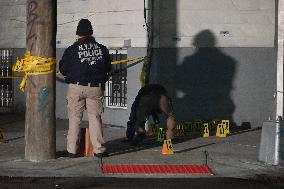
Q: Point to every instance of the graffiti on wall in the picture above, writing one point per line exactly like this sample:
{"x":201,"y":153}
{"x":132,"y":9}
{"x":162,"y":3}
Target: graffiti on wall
{"x":31,"y":19}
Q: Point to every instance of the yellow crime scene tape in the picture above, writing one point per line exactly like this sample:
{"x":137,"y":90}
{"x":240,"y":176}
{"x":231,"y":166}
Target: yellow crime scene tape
{"x":144,"y":76}
{"x":127,"y":60}
{"x":10,"y":77}
{"x":33,"y":65}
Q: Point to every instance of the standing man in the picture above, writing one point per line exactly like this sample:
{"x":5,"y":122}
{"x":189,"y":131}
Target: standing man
{"x":86,"y":65}
{"x":152,"y":100}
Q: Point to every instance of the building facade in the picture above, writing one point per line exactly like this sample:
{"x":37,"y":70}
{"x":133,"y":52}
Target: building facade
{"x":217,"y":58}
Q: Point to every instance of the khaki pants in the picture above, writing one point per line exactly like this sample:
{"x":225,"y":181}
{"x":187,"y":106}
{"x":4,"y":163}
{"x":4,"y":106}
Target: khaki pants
{"x":80,"y":98}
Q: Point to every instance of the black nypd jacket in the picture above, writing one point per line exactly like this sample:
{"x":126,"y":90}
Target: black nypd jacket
{"x":85,"y":61}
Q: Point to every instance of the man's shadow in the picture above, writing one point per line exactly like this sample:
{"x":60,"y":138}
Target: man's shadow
{"x":204,"y":82}
{"x":119,"y":147}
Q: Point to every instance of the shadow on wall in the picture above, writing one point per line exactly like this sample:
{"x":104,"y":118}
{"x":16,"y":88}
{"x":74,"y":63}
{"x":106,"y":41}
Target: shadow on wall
{"x":204,"y":82}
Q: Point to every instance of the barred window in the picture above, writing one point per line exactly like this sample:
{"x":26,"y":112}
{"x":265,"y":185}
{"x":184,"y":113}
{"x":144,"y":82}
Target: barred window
{"x":6,"y":89}
{"x":116,"y":87}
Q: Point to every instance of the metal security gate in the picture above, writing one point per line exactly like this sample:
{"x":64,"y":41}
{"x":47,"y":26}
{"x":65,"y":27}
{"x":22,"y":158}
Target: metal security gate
{"x":116,"y":87}
{"x":6,"y":84}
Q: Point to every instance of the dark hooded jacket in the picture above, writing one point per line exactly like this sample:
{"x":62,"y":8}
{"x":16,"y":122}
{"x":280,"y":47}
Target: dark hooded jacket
{"x":86,"y":61}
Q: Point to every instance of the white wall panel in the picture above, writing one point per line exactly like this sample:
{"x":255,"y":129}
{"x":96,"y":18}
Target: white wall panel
{"x":250,"y":23}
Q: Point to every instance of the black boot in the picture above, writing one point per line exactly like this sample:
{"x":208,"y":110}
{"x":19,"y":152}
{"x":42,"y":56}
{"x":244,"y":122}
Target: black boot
{"x":130,"y":131}
{"x":138,"y":138}
{"x":71,"y":155}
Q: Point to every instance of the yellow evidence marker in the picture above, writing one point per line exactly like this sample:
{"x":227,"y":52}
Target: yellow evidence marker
{"x":160,"y":136}
{"x":205,"y":132}
{"x":221,"y":130}
{"x":226,"y":124}
{"x":167,"y":147}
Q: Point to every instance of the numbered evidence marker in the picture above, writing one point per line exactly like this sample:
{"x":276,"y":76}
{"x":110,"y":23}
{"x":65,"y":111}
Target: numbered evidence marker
{"x":160,"y":136}
{"x":2,"y":140}
{"x":226,"y":124}
{"x":205,"y":132}
{"x":188,"y":128}
{"x":198,"y":126}
{"x":221,"y":130}
{"x":168,"y":147}
{"x":179,"y":129}
{"x":213,"y":126}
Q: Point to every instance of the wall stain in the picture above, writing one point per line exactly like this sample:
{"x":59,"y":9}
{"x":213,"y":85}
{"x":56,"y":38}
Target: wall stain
{"x":42,"y":97}
{"x":31,"y":18}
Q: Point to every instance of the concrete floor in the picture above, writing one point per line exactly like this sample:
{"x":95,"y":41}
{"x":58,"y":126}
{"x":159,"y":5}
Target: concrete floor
{"x":234,"y":157}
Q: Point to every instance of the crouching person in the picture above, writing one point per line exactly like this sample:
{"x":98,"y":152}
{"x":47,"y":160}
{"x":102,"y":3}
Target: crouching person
{"x":151,"y":99}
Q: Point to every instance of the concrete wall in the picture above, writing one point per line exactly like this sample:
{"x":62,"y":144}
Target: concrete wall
{"x":19,"y":96}
{"x":217,"y":58}
{"x":114,"y":21}
{"x":221,"y":83}
{"x":246,"y":23}
{"x":133,"y":76}
{"x":13,"y":23}
{"x":241,"y":57}
{"x":249,"y":23}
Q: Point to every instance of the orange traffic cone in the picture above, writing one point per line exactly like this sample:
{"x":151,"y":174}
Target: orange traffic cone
{"x":88,"y":144}
{"x":86,"y":147}
{"x":167,"y":147}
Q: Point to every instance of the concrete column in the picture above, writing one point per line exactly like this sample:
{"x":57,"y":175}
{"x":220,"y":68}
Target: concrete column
{"x":279,"y":106}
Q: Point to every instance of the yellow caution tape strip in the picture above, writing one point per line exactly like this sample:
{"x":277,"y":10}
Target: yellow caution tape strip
{"x":126,"y":60}
{"x":10,"y":77}
{"x":118,"y":62}
{"x":33,"y":65}
{"x":144,"y":77}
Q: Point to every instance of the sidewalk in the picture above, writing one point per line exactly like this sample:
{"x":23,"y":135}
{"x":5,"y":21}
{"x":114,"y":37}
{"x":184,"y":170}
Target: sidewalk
{"x":234,"y":156}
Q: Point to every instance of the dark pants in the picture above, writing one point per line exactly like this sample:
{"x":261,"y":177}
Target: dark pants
{"x":130,"y":132}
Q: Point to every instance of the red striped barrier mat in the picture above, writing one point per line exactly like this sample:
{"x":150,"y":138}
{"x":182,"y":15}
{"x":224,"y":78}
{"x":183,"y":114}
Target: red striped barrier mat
{"x":156,"y":169}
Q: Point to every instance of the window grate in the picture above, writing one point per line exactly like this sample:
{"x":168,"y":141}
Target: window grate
{"x":6,"y":88}
{"x":116,"y":87}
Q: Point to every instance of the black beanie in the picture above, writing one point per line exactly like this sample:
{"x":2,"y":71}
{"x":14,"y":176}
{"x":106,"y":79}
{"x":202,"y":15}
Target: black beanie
{"x":84,"y":28}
